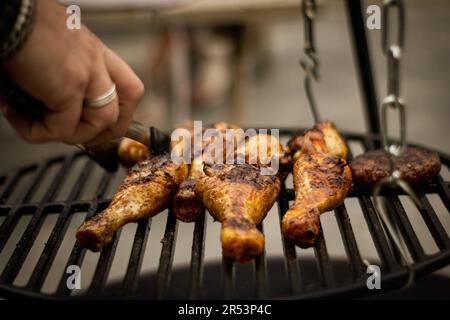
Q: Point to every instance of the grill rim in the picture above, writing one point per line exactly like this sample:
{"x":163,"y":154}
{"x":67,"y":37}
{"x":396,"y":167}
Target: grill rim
{"x":393,"y":279}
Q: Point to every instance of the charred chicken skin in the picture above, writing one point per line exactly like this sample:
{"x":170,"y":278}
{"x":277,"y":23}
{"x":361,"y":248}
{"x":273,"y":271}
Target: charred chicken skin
{"x":146,"y":190}
{"x":239,"y":197}
{"x":186,"y":205}
{"x":322,"y":179}
{"x":323,"y":137}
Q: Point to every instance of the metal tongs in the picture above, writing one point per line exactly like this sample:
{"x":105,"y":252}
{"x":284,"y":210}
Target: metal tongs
{"x":104,"y":154}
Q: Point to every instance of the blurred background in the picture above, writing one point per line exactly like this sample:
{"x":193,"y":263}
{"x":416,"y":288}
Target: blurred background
{"x":237,"y":61}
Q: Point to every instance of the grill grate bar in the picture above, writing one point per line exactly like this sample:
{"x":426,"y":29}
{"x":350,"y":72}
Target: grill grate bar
{"x":166,"y":257}
{"x":12,"y":218}
{"x":432,"y":221}
{"x":368,"y":143}
{"x":290,"y":257}
{"x":77,"y":254}
{"x":8,"y":226}
{"x":56,"y":237}
{"x":8,"y":185}
{"x":104,"y":264}
{"x":131,"y":279}
{"x":354,"y":192}
{"x":400,"y":219}
{"x":348,"y":238}
{"x":197,"y":255}
{"x":260,"y":272}
{"x":228,"y":278}
{"x":321,"y":252}
{"x":41,"y":169}
{"x":345,"y":227}
{"x":377,"y":233}
{"x":444,"y":192}
{"x":98,"y":287}
{"x":26,"y":241}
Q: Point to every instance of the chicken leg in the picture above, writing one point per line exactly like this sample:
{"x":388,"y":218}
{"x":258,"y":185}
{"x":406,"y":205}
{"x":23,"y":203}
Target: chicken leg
{"x":186,"y":205}
{"x":322,"y":179}
{"x":321,"y":183}
{"x":145,"y":191}
{"x":239,"y":196}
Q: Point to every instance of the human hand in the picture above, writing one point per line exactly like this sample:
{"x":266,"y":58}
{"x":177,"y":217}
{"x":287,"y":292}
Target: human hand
{"x":61,"y":68}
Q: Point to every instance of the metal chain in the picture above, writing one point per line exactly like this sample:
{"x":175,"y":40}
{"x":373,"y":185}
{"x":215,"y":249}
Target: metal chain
{"x":392,"y":48}
{"x":310,"y":67}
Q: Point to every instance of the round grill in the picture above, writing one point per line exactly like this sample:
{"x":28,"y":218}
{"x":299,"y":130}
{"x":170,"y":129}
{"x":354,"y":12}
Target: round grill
{"x":60,"y":188}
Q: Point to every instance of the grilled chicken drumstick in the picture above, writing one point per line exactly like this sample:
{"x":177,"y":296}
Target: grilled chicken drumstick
{"x":323,"y":137}
{"x":131,"y":152}
{"x":186,"y":205}
{"x":145,"y":191}
{"x":322,"y":179}
{"x":239,"y":197}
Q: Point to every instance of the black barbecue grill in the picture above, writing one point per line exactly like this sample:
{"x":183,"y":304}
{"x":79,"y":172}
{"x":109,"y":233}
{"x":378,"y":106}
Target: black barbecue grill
{"x":42,"y":189}
{"x":394,"y":274}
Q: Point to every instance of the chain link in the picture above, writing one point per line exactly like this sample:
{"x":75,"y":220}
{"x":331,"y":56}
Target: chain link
{"x":310,"y":65}
{"x":392,"y":48}
{"x":389,"y":6}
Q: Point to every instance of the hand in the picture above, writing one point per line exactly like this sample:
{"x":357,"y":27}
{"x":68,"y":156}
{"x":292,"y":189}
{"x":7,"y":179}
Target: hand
{"x":61,"y":68}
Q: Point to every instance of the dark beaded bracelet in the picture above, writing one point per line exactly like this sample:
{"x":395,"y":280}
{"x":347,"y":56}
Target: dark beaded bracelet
{"x":19,"y":27}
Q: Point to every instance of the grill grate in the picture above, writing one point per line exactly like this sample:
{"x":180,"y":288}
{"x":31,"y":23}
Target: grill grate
{"x":394,"y":274}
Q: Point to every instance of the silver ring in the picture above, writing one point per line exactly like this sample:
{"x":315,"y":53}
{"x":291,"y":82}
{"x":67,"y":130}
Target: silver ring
{"x":102,"y":100}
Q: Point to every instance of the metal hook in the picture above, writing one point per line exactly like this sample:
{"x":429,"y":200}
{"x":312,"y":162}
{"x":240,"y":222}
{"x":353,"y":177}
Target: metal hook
{"x":310,"y":65}
{"x":307,"y":79}
{"x":394,"y":180}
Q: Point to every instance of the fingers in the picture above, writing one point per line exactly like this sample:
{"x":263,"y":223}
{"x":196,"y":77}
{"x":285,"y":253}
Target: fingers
{"x":54,"y":126}
{"x":96,"y":120}
{"x":129,"y":90}
{"x":70,"y":122}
